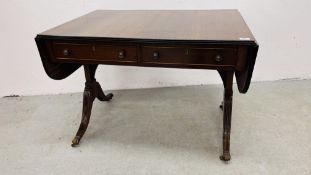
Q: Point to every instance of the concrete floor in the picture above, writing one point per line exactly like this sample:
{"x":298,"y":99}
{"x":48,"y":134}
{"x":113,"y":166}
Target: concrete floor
{"x":165,"y":131}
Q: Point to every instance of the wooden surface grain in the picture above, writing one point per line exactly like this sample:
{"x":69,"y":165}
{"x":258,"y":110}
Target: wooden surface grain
{"x":196,"y":25}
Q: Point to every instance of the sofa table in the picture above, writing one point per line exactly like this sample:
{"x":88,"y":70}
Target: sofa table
{"x":194,"y":39}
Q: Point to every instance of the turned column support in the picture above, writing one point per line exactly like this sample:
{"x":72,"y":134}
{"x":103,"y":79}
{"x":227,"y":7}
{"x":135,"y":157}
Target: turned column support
{"x":92,"y":90}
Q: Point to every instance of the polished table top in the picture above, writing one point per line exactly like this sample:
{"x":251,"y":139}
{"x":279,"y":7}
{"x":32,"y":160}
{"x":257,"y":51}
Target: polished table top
{"x":193,"y":25}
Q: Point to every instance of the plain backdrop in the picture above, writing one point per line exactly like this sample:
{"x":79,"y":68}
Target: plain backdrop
{"x":281,"y":27}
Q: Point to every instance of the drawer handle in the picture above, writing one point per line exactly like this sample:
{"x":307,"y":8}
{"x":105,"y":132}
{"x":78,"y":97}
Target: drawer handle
{"x":66,"y":52}
{"x":121,"y":54}
{"x":155,"y":55}
{"x":218,"y":58}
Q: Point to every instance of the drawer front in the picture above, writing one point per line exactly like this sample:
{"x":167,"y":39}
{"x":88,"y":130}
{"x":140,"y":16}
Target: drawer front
{"x":115,"y":53}
{"x":190,"y":55}
{"x":97,"y":52}
{"x":70,"y":51}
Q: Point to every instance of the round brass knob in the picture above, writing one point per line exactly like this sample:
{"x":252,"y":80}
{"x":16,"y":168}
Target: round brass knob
{"x":155,"y":55}
{"x":66,"y":52}
{"x":121,"y":54}
{"x":218,"y":58}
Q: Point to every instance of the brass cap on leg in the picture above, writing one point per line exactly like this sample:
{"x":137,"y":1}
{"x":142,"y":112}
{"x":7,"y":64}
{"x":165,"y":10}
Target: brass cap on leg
{"x":75,"y":141}
{"x":225,"y":157}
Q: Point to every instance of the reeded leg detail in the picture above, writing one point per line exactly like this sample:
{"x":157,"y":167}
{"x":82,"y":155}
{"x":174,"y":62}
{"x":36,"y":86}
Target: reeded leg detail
{"x":226,"y":106}
{"x":92,"y":90}
{"x":226,"y":128}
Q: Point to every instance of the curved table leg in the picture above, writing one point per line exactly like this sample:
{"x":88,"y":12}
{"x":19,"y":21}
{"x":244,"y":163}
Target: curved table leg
{"x":101,"y":95}
{"x":227,"y":110}
{"x":88,"y":98}
{"x":92,"y":90}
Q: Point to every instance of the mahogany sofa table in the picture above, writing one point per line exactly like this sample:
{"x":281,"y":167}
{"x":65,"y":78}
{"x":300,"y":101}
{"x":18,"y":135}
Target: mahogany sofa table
{"x":204,"y":39}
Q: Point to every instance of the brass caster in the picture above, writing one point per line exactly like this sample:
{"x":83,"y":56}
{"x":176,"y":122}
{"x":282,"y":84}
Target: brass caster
{"x":75,"y":141}
{"x":109,"y":96}
{"x":225,"y":157}
{"x":221,"y":106}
